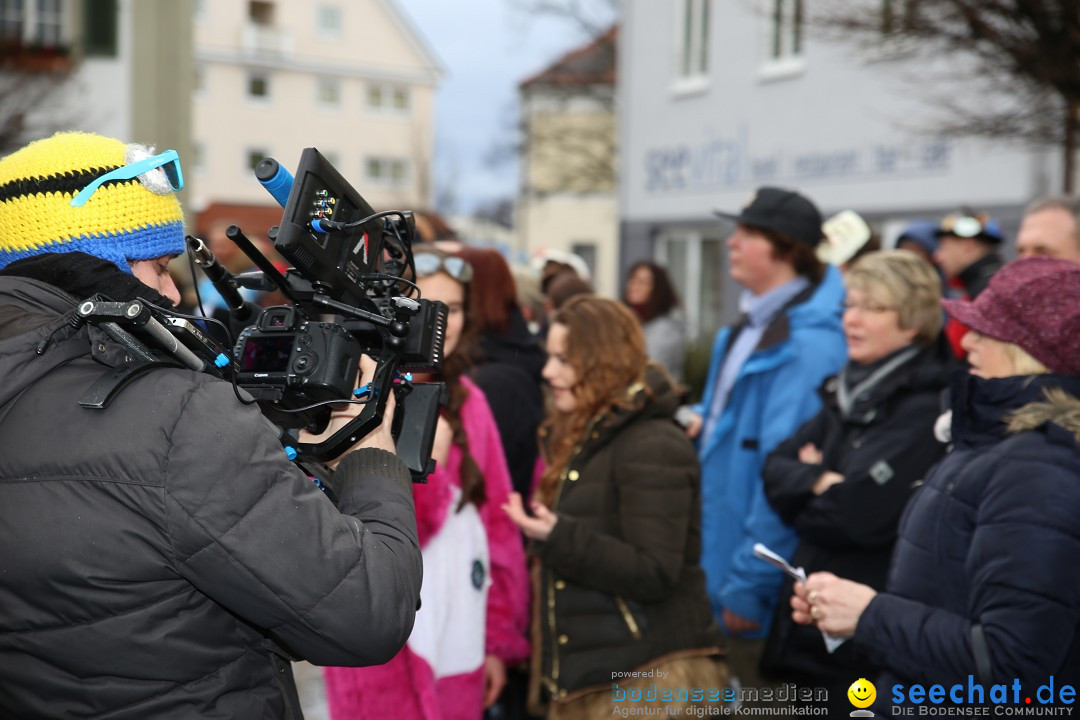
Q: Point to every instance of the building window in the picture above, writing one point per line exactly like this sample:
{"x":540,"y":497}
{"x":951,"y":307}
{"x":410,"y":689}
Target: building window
{"x":693,"y":39}
{"x":328,"y":92}
{"x":329,"y":20}
{"x":692,"y":259}
{"x":12,"y":14}
{"x":49,"y":23}
{"x":255,"y":156}
{"x":39,"y":24}
{"x":198,"y":164}
{"x":787,"y":29}
{"x":586,"y":250}
{"x":388,"y":172}
{"x":258,"y":86}
{"x":99,"y":28}
{"x":388,"y":98}
{"x":261,"y":13}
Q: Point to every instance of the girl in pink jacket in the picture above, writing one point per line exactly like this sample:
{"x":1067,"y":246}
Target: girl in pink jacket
{"x":475,"y":596}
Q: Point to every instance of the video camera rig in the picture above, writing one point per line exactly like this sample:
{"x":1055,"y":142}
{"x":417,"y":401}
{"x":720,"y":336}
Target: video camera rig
{"x":297,"y":360}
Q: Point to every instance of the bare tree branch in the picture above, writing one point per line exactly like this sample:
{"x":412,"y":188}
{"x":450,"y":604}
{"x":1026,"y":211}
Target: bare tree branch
{"x":1016,"y":61}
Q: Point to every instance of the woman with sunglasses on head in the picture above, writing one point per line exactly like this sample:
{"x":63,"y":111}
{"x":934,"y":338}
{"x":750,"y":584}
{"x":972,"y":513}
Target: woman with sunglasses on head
{"x":474,"y":612}
{"x":982,"y":588}
{"x":616,"y":524}
{"x":844,"y":477}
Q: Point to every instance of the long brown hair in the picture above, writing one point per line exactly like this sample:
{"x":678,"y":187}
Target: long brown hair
{"x":454,"y":366}
{"x":493,"y":295}
{"x":606,"y":348}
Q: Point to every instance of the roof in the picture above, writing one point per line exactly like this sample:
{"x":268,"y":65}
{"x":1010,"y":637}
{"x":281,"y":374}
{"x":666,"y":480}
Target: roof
{"x":589,"y":64}
{"x":252,"y":219}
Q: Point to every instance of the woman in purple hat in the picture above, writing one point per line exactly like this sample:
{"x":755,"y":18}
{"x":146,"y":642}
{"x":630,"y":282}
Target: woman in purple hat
{"x":983,"y":591}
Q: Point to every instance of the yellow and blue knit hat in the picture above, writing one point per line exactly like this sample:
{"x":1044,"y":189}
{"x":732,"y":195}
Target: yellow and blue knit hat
{"x":123,"y":220}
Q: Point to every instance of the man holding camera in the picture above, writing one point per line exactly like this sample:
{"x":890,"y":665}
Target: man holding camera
{"x":162,"y":556}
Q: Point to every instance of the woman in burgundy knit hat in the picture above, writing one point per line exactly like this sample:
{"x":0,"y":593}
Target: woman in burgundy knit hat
{"x":983,"y":589}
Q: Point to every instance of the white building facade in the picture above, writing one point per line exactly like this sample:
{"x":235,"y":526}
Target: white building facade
{"x":717,"y":99}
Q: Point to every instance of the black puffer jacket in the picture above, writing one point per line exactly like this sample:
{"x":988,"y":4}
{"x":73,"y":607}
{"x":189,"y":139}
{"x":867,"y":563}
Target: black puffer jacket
{"x":883,"y":446}
{"x":162,"y":557}
{"x":620,"y":583}
{"x":507,"y":368}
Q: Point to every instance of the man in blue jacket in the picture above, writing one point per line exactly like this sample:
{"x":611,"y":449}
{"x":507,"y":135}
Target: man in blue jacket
{"x":763,"y":380}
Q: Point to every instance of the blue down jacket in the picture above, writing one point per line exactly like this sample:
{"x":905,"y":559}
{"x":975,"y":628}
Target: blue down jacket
{"x":983,"y":580}
{"x":774,"y":393}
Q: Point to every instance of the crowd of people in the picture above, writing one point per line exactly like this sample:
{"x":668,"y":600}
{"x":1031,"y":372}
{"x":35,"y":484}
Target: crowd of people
{"x":902,"y":424}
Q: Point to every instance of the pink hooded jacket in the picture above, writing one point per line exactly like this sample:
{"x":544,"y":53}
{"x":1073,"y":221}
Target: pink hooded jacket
{"x":406,"y":687}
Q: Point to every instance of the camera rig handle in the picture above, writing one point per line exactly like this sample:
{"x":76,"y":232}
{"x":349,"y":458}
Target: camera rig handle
{"x":418,"y":405}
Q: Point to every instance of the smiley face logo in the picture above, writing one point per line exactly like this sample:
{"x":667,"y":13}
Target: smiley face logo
{"x":862,"y":693}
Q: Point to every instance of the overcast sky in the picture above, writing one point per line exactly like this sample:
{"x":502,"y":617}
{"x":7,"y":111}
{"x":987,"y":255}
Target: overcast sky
{"x":486,"y":47}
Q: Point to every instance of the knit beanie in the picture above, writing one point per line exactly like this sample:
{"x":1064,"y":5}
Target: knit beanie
{"x":123,"y":220}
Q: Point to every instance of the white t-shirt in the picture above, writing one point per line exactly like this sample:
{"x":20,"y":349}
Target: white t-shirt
{"x":449,"y":632}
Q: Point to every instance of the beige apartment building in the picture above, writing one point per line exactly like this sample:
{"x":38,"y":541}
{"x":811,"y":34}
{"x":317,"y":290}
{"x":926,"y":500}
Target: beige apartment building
{"x":352,"y":78}
{"x":567,"y":199}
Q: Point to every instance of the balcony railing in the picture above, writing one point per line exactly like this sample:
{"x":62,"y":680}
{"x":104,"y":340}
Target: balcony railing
{"x":266,"y":40}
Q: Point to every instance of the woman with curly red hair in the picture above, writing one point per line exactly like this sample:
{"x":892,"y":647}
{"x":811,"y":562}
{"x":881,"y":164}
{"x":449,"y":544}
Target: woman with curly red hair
{"x":616,"y":525}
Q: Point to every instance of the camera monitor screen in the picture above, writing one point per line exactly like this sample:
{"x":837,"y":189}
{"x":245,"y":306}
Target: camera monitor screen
{"x":267,"y":354}
{"x":339,"y":258}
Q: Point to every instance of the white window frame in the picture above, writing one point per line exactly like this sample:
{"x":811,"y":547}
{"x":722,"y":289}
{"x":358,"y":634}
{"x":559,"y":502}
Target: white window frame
{"x":328,"y":21}
{"x":386,"y":166}
{"x":325,"y":82}
{"x":32,"y":20}
{"x":692,"y":47}
{"x":49,"y":19}
{"x":785,"y":40}
{"x":694,"y":272}
{"x":388,"y":93}
{"x":16,"y":18}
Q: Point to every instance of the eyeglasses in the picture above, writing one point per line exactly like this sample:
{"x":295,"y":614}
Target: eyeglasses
{"x":430,"y":263}
{"x":168,"y":176}
{"x":867,"y":307}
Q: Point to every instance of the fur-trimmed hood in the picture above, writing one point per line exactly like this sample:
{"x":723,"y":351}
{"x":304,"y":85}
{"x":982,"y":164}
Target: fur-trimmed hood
{"x":988,"y":410}
{"x":1060,"y":408}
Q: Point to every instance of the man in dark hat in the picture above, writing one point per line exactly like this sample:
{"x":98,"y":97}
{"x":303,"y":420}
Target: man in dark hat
{"x":967,"y":253}
{"x":763,"y":380}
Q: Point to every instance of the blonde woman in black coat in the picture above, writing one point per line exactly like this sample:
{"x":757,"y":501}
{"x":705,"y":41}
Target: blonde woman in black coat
{"x":844,"y":477}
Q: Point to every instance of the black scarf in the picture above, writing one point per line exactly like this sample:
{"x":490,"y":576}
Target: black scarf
{"x":82,"y":276}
